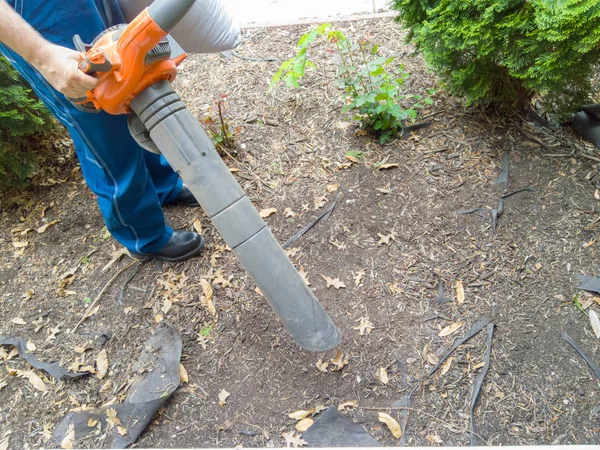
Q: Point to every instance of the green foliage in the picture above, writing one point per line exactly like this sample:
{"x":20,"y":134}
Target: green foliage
{"x":22,"y":117}
{"x":506,"y":51}
{"x":372,"y":84}
{"x":218,"y":127}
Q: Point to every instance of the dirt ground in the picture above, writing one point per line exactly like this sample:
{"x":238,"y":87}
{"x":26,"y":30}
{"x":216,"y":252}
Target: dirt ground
{"x":393,"y":238}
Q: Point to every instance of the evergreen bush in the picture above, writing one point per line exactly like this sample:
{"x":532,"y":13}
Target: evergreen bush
{"x":22,"y":117}
{"x":506,"y":51}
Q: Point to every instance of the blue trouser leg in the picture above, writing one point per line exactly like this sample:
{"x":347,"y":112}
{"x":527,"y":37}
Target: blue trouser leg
{"x":130,"y":183}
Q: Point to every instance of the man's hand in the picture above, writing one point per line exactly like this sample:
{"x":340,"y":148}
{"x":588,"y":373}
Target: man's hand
{"x":58,"y":65}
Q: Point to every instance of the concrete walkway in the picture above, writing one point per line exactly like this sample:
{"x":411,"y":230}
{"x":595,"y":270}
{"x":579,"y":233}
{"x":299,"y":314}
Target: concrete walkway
{"x":257,"y":13}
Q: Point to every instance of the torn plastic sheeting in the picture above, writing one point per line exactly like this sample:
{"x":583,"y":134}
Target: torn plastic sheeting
{"x":595,"y":369}
{"x":590,"y":284}
{"x":503,"y":177}
{"x":587,"y":124}
{"x":52,"y":368}
{"x":479,"y":382}
{"x":333,"y":429}
{"x":158,"y":368}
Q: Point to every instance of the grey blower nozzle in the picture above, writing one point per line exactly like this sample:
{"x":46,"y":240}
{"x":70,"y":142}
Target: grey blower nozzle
{"x":189,"y":151}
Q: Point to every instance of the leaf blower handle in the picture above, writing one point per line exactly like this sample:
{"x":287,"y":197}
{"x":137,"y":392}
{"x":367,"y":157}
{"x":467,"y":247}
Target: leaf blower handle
{"x":167,"y":13}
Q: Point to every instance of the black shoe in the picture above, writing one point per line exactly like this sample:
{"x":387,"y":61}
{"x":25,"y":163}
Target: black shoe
{"x":181,"y":246}
{"x":186,"y":198}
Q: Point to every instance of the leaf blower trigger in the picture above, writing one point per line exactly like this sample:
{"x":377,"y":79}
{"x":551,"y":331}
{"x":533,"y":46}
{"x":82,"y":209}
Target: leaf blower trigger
{"x":134,"y":66}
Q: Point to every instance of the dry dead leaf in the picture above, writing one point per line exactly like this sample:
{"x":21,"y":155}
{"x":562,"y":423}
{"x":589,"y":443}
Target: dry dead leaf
{"x":91,"y":423}
{"x":183,"y":375}
{"x":320,"y":202}
{"x":387,"y":166}
{"x":460,"y":292}
{"x":92,"y":311}
{"x":365,"y":326}
{"x":102,"y":364}
{"x":114,"y":257}
{"x":332,"y":187}
{"x":30,"y":346}
{"x":299,"y":415}
{"x":394,"y":288}
{"x":158,"y":318}
{"x":335,"y":282}
{"x":391,"y":423}
{"x":339,"y":245}
{"x":292,"y":439}
{"x":478,"y":366}
{"x":267,"y":212}
{"x":434,"y":439}
{"x":291,"y":252}
{"x":595,"y":322}
{"x":166,"y":306}
{"x":322,"y":366}
{"x":223,"y":396}
{"x":354,"y":159}
{"x":340,"y":361}
{"x":450,"y":329}
{"x":52,"y":332}
{"x":20,"y":244}
{"x":29,"y":293}
{"x":45,"y":227}
{"x":383,"y":376}
{"x":446,"y":366}
{"x":345,"y":405}
{"x":385,"y":239}
{"x":304,"y":276}
{"x":112,"y":419}
{"x":69,"y":439}
{"x":122,"y":431}
{"x":197,"y":225}
{"x":359,"y":276}
{"x":127,"y":310}
{"x":33,"y":379}
{"x":304,"y":425}
{"x":18,"y":321}
{"x":207,"y":297}
{"x":289,"y":213}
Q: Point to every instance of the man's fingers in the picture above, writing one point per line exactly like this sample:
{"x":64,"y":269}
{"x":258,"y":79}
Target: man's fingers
{"x":87,"y":82}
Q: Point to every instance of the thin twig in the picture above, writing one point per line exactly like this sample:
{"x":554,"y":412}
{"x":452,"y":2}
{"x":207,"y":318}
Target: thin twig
{"x":419,"y":411}
{"x":246,"y":167}
{"x":102,"y":292}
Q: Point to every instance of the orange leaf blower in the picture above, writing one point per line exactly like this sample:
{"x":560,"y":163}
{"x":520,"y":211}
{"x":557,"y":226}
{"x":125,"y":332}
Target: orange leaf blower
{"x":135,"y":69}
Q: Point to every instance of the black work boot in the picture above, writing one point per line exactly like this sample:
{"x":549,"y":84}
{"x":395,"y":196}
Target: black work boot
{"x":186,"y":198}
{"x":181,"y":246}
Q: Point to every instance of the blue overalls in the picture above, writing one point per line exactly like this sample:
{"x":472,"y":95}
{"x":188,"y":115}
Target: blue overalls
{"x":131,"y":183}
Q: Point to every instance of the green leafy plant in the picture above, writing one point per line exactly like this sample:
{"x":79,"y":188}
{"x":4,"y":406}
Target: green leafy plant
{"x":22,"y":118}
{"x":508,"y":51}
{"x":217,"y":126}
{"x":372,"y":84}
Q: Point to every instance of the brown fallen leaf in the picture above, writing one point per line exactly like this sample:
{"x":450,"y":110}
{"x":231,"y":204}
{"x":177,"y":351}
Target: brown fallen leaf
{"x":166,"y":306}
{"x":322,"y":366}
{"x":20,"y":244}
{"x":114,"y":257}
{"x":365,"y":326}
{"x":460,"y":292}
{"x":197,"y":225}
{"x":304,"y":276}
{"x":45,"y":227}
{"x":304,"y":425}
{"x":351,"y":404}
{"x":267,"y":212}
{"x":29,"y":293}
{"x":478,"y":366}
{"x":289,"y":213}
{"x":387,"y":166}
{"x":354,"y":159}
{"x":332,"y":187}
{"x":30,"y":346}
{"x":391,"y":423}
{"x":383,"y":376}
{"x":112,"y":419}
{"x":18,"y":321}
{"x":183,"y":375}
{"x":385,"y":239}
{"x":292,"y":439}
{"x":299,"y":415}
{"x":223,"y":396}
{"x":52,"y":332}
{"x":434,"y":439}
{"x":207,"y":297}
{"x":335,"y":282}
{"x":446,"y":366}
{"x":291,"y":252}
{"x":69,"y":440}
{"x":92,"y":311}
{"x":320,"y":202}
{"x":122,"y":431}
{"x":102,"y":364}
{"x":359,"y":276}
{"x":158,"y":318}
{"x":450,"y":329}
{"x":92,"y":423}
{"x":33,"y":379}
{"x":340,"y":361}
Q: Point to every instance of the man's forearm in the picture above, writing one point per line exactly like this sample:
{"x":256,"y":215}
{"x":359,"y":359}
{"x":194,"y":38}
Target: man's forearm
{"x":20,"y":36}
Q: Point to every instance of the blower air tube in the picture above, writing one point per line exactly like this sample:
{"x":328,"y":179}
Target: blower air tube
{"x":208,"y":27}
{"x":190,"y":152}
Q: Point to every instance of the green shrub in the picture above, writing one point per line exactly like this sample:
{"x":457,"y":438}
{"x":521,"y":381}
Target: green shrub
{"x":372,"y":84}
{"x":506,"y":51}
{"x":22,"y":117}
